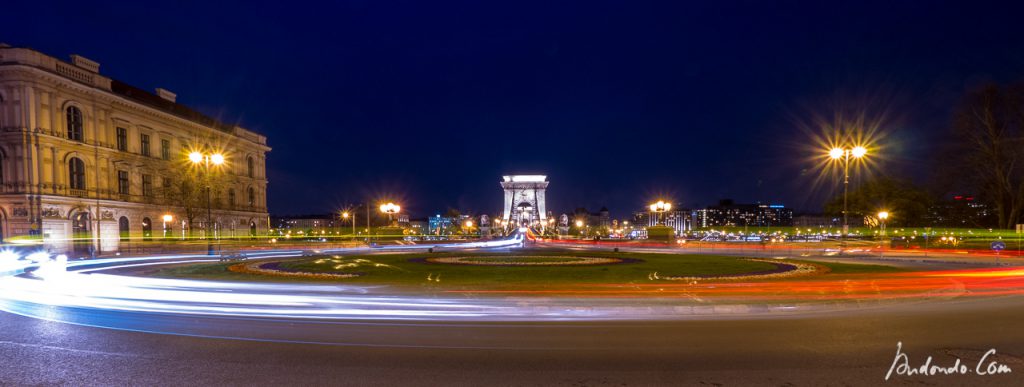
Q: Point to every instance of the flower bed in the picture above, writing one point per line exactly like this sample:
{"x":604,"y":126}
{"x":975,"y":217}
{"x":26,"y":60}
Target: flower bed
{"x":273,"y":268}
{"x":526,"y":261}
{"x":782,"y":270}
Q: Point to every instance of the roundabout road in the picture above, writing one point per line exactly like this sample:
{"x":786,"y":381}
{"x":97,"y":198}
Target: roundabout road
{"x":227,"y":334}
{"x":831,"y":348}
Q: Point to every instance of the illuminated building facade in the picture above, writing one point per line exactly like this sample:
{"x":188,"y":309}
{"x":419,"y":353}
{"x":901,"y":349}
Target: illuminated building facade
{"x":729,"y":214}
{"x":85,"y":160}
{"x":679,"y":219}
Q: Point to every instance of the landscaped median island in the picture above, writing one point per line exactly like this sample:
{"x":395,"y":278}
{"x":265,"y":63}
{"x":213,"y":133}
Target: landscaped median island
{"x":529,"y":269}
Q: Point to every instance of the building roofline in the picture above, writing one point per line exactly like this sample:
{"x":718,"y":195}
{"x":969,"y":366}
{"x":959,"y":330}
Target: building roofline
{"x":124,"y":90}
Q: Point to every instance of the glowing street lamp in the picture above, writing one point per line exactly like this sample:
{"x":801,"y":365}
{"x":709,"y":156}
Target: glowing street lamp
{"x":844,"y":155}
{"x":390,"y":209}
{"x":167,"y":218}
{"x":660,"y":208}
{"x":882,"y":216}
{"x":346,"y":215}
{"x":207,"y":161}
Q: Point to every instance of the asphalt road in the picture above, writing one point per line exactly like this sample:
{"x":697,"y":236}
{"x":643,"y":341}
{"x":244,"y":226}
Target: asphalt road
{"x":854,"y":347}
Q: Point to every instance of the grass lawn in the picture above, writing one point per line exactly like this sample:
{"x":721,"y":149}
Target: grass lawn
{"x":856,"y":268}
{"x":410,"y":270}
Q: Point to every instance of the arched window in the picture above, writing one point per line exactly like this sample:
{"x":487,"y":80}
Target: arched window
{"x":74,"y":124}
{"x":76,"y":173}
{"x":252,"y":166}
{"x":252,"y":197}
{"x":147,"y":229}
{"x":231,"y":198}
{"x":122,"y":228}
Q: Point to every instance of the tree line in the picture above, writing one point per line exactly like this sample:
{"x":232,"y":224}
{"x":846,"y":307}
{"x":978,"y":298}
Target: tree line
{"x":984,"y":158}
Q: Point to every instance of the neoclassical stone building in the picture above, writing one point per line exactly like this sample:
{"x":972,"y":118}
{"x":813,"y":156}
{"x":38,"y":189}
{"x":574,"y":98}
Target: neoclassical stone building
{"x":87,"y":162}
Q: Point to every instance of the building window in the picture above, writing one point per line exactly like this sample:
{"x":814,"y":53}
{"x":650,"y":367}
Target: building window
{"x":165,"y":149}
{"x":122,"y":228}
{"x":145,"y":144}
{"x":147,"y":229}
{"x":76,"y":173}
{"x":147,"y":185}
{"x":75,"y":124}
{"x":231,"y":198}
{"x":122,"y":139}
{"x":165,"y":184}
{"x":252,"y":197}
{"x":122,"y":182}
{"x":252,"y":167}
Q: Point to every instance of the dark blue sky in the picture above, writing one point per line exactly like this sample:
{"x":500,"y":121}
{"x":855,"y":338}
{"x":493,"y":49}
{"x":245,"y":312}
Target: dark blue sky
{"x":617,"y":102}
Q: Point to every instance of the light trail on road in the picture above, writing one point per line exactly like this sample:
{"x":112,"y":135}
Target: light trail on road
{"x":83,"y":293}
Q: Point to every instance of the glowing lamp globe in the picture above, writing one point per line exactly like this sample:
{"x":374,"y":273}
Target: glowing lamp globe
{"x":859,"y":151}
{"x":836,"y":153}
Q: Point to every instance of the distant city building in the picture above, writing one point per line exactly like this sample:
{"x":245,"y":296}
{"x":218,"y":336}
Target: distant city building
{"x":600,"y":219}
{"x":419,"y":225}
{"x":320,"y":222}
{"x":729,"y":214}
{"x":816,"y":221}
{"x":445,"y":225}
{"x":960,"y":211}
{"x":680,"y":219}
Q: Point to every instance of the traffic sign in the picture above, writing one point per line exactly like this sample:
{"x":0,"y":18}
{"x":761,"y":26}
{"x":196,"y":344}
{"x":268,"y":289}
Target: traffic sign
{"x":998,"y":245}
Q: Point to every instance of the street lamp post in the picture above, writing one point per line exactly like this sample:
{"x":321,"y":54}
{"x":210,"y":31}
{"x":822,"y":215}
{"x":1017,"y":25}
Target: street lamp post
{"x":390,"y":209}
{"x":207,"y":162}
{"x":659,"y":209}
{"x":845,"y":154}
{"x":167,"y":218}
{"x":882,"y":216}
{"x":579,"y":226}
{"x":346,"y":215}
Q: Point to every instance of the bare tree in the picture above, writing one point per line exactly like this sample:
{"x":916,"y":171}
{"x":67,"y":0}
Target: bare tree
{"x":187,"y":189}
{"x":989,"y":128}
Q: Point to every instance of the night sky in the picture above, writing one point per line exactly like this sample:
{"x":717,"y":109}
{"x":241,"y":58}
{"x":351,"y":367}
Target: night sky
{"x":619,"y":103}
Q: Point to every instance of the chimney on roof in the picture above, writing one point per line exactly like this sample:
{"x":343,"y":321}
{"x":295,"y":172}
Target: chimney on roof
{"x":85,"y":63}
{"x":166,"y":94}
